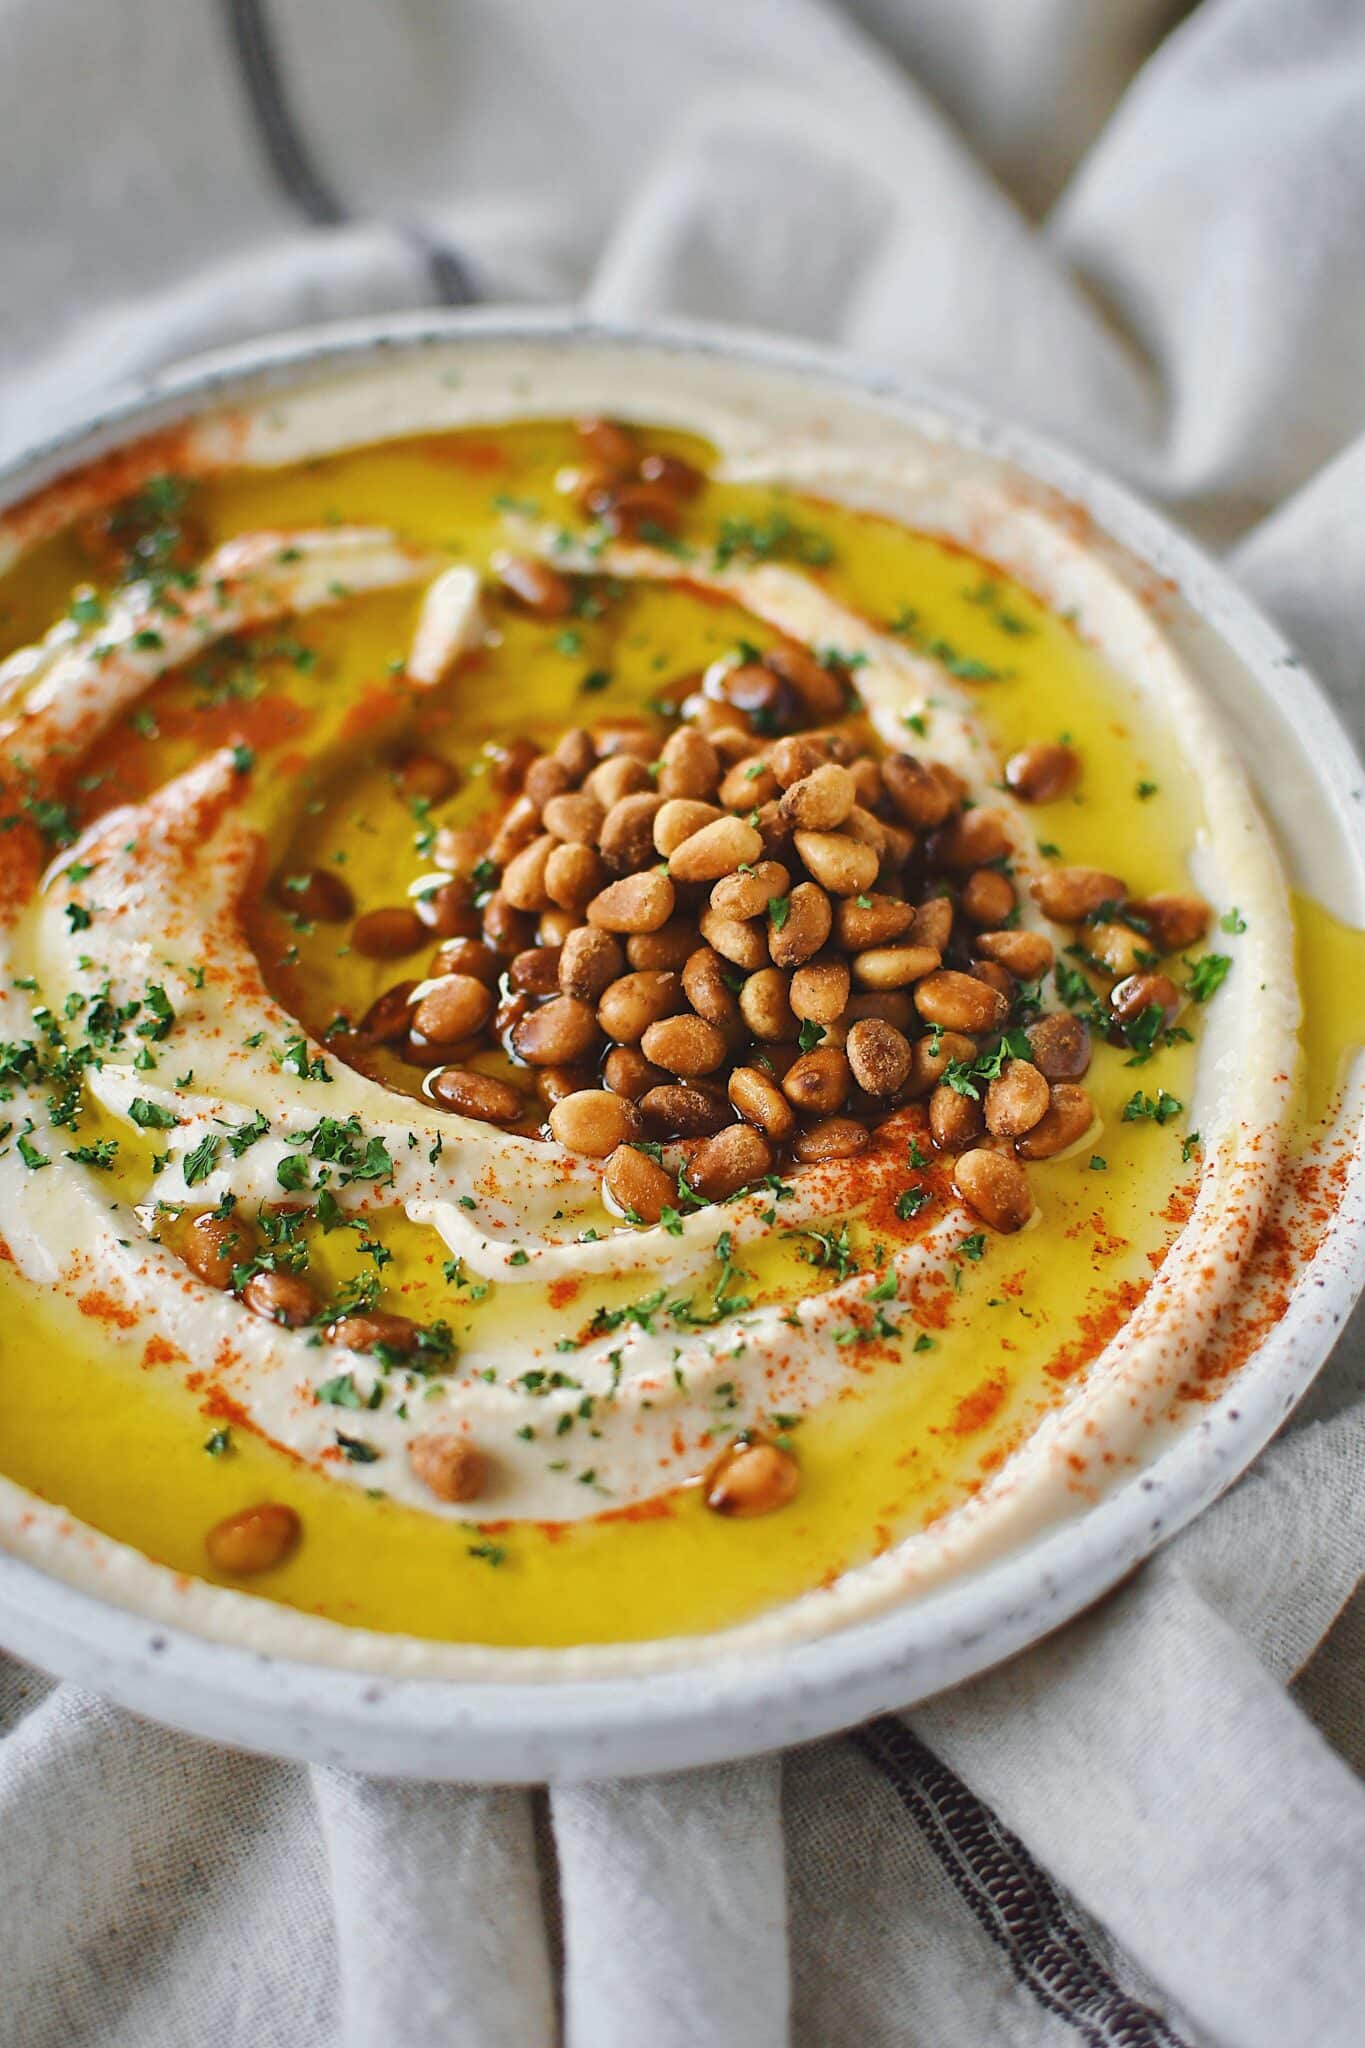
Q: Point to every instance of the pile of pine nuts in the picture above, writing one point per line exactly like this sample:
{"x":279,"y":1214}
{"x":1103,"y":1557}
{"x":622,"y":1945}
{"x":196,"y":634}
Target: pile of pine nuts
{"x":752,"y":935}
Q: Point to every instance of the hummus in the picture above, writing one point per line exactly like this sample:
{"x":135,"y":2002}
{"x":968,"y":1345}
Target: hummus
{"x":618,"y":1033}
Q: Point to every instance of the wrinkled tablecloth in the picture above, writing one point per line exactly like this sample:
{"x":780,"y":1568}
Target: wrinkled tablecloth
{"x":1142,"y":227}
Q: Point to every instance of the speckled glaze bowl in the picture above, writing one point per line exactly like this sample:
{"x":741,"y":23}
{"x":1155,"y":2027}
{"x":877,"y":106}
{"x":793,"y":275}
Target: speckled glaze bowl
{"x":727,"y":1707}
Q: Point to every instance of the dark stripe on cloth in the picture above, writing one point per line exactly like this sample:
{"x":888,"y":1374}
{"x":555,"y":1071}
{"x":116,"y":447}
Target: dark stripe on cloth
{"x":1011,"y":1896}
{"x":296,"y":173}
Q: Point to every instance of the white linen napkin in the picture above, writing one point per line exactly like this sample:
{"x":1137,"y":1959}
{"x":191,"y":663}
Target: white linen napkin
{"x":1141,"y":227}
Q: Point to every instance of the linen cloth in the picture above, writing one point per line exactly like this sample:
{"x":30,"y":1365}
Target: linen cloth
{"x":1142,"y":227}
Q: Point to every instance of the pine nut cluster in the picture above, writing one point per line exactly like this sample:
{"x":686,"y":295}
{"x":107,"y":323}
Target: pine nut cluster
{"x":752,"y":936}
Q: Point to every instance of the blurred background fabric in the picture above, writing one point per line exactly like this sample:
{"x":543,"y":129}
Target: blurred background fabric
{"x":1139,"y":225}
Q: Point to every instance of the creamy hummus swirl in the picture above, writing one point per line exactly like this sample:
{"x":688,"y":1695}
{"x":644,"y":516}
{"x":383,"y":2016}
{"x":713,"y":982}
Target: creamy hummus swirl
{"x":168,"y":883}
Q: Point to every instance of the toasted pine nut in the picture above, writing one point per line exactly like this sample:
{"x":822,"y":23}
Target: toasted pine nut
{"x":536,"y":971}
{"x":678,"y":819}
{"x":449,"y":1466}
{"x":254,"y":1539}
{"x":959,"y":1002}
{"x":822,"y":695}
{"x":317,"y":895}
{"x":879,"y":1056}
{"x":689,"y":765}
{"x":867,"y":829}
{"x":627,"y":837}
{"x":617,"y":776}
{"x":1173,"y":922}
{"x":799,"y":935}
{"x":752,"y":1479}
{"x":766,"y":1007}
{"x":574,"y":874}
{"x":834,"y":1137}
{"x":613,"y":445}
{"x":686,"y":1046}
{"x":716,"y":850}
{"x":1025,"y":954}
{"x":552,"y":1084}
{"x":509,"y":766}
{"x":721,"y":1166}
{"x":996,"y":1187}
{"x":670,"y":473}
{"x":894,"y":966}
{"x":819,"y":1080}
{"x":759,"y":1101}
{"x":819,"y":990}
{"x":892,"y":1005}
{"x":931,"y":1057}
{"x":536,"y":587}
{"x":637,"y":903}
{"x":673,"y":1110}
{"x":505,"y":929}
{"x":636,"y":509}
{"x":523,"y":881}
{"x":594,"y":1122}
{"x":933,"y":925}
{"x":588,"y":962}
{"x":972,"y":840}
{"x":627,"y":1072}
{"x":955,"y":1121}
{"x":748,"y":783}
{"x":519,"y":825}
{"x":873,"y":920}
{"x":755,"y":690}
{"x":798,"y":755}
{"x":920,"y":796}
{"x":995,"y":976}
{"x":987,"y":897}
{"x":464,"y":956}
{"x":842,"y":865}
{"x":1043,"y":773}
{"x":740,"y":942}
{"x":628,"y":735}
{"x":867,"y":780}
{"x":211,"y":1246}
{"x":705,"y":986}
{"x":775,"y":832}
{"x":373,"y":1330}
{"x":670,"y":947}
{"x":1016,"y":1100}
{"x":558,"y":1033}
{"x":1118,"y":947}
{"x":1060,"y":1046}
{"x":748,"y":895}
{"x":1070,"y":1117}
{"x":480,"y":1096}
{"x":575,"y":817}
{"x":630,"y":1004}
{"x":638,"y":1185}
{"x":389,"y":933}
{"x":1069,"y":894}
{"x":446,"y":911}
{"x":458,"y":851}
{"x":822,"y":800}
{"x":427,"y":777}
{"x":284,"y":1298}
{"x":576,"y":753}
{"x":453,"y":1008}
{"x":1128,"y":999}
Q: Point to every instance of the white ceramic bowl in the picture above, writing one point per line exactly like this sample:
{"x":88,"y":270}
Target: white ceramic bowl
{"x":728,"y":1708}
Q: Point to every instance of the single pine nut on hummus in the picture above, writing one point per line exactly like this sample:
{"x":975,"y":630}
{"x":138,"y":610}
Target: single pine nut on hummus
{"x":253,"y":1540}
{"x":623,"y":1038}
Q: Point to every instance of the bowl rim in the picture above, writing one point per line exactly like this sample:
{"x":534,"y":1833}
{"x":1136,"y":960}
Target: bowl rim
{"x":500,"y":1731}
